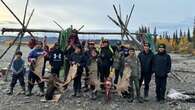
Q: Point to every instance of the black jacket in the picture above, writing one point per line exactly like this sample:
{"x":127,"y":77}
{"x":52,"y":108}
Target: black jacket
{"x":78,"y":58}
{"x":106,"y":56}
{"x":146,"y":61}
{"x":68,"y":52}
{"x":56,"y":58}
{"x":161,"y":64}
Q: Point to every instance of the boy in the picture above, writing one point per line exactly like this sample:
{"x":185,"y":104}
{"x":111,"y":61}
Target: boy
{"x":18,"y":73}
{"x":133,"y":62}
{"x":78,"y":58}
{"x":56,"y":60}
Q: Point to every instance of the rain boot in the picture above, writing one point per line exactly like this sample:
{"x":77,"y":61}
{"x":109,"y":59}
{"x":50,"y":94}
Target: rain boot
{"x":10,"y":92}
{"x":23,"y":90}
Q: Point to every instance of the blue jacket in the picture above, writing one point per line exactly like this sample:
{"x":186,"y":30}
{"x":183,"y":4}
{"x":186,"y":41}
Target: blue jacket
{"x":35,"y":53}
{"x":18,"y":66}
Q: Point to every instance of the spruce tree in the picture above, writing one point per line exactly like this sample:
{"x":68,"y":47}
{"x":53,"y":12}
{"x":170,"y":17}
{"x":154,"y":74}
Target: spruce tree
{"x":193,"y":38}
{"x":189,"y":36}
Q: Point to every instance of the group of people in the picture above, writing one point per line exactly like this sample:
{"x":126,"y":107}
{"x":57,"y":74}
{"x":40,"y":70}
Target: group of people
{"x":90,"y":59}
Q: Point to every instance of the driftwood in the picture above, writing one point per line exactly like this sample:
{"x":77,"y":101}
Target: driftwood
{"x":175,"y":76}
{"x":184,"y":71}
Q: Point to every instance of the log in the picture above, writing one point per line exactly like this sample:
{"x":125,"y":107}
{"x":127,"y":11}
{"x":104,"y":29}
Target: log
{"x":184,"y":71}
{"x":58,"y":31}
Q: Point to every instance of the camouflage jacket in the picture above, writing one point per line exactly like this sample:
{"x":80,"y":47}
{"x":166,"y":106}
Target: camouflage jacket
{"x":134,"y":64}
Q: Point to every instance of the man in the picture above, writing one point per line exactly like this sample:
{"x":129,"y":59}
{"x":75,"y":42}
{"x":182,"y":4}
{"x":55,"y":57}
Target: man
{"x":105,"y":61}
{"x":161,"y":67}
{"x":32,"y":77}
{"x":56,"y":60}
{"x":145,"y":58}
{"x":133,"y":63}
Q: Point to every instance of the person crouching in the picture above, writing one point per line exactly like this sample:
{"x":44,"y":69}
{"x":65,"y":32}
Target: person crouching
{"x":18,"y":71}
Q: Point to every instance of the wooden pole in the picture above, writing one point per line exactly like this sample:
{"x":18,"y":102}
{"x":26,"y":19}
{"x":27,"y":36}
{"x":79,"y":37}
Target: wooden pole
{"x":25,"y":11}
{"x":10,"y":45}
{"x":23,"y":25}
{"x":58,"y":31}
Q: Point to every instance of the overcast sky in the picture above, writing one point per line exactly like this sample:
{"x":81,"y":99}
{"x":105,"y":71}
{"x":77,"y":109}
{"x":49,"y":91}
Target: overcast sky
{"x":166,"y":15}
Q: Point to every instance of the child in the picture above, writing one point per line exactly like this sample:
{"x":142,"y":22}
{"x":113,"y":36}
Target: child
{"x":133,"y":62}
{"x":56,"y":60}
{"x":18,"y":72}
{"x":78,"y":58}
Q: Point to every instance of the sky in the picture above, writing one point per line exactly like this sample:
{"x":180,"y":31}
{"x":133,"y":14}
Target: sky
{"x":165,"y":15}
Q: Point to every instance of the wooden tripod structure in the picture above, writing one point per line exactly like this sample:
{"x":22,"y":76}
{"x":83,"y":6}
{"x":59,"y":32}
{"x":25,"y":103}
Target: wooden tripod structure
{"x":21,"y":31}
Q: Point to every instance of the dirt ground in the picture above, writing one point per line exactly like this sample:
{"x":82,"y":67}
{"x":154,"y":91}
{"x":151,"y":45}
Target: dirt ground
{"x":184,"y":63}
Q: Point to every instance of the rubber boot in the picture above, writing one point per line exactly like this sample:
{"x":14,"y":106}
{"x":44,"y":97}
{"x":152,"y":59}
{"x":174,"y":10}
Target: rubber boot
{"x":146,"y":95}
{"x":23,"y":90}
{"x":29,"y":93}
{"x":131,"y":95}
{"x":10,"y":91}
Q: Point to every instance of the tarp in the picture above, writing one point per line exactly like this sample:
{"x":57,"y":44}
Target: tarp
{"x":63,"y":40}
{"x":150,"y":40}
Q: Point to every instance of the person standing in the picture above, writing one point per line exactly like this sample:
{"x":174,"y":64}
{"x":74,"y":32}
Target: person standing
{"x":146,"y":57}
{"x":133,"y":63}
{"x":18,"y":72}
{"x":32,"y":77}
{"x":78,"y":58}
{"x":105,"y":61}
{"x":87,"y":49}
{"x":56,"y":60}
{"x":161,"y":67}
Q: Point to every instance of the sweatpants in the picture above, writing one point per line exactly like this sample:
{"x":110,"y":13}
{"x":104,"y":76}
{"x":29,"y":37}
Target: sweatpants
{"x":77,"y":81}
{"x":55,"y":71}
{"x":104,"y":74}
{"x":15,"y":78}
{"x":134,"y":80}
{"x":117,"y":74}
{"x":31,"y":81}
{"x":161,"y":83}
{"x":146,"y":77}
